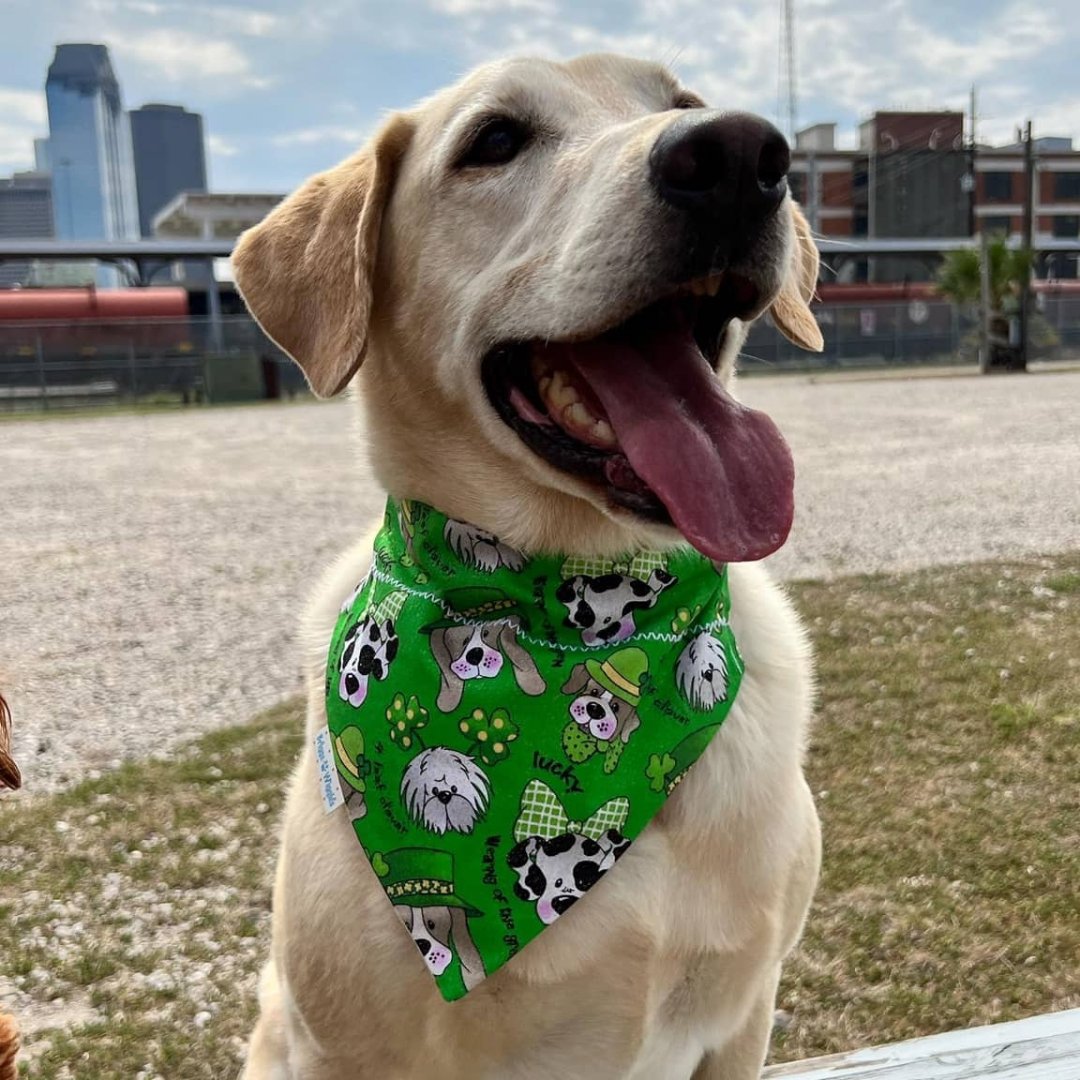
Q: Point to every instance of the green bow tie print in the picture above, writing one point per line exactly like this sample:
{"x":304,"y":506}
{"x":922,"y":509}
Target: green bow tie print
{"x":543,"y":814}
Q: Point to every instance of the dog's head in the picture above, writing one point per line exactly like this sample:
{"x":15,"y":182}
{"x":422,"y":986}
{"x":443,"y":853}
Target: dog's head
{"x":472,"y":650}
{"x":701,"y":671}
{"x":439,"y":931}
{"x":603,"y":607}
{"x":369,"y":650}
{"x":550,"y":269}
{"x":595,"y":707}
{"x":557,"y":872}
{"x":445,"y":791}
{"x":481,"y":548}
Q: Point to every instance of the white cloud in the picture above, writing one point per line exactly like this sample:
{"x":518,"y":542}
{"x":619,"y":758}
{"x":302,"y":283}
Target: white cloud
{"x":22,"y":118}
{"x":179,"y":55}
{"x":23,"y":107}
{"x":222,"y":147}
{"x":248,"y":21}
{"x":491,"y":7}
{"x":323,"y":133}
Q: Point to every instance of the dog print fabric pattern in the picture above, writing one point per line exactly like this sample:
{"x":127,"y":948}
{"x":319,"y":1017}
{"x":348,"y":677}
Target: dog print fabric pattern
{"x":482,"y":730}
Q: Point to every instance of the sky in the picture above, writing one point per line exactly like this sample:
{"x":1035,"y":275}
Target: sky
{"x":288,"y":87}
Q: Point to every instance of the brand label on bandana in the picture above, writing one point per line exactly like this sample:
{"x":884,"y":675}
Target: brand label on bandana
{"x":328,"y":782}
{"x":503,"y":727}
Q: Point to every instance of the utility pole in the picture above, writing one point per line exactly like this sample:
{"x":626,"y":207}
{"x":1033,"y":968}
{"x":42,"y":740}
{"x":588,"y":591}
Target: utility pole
{"x":787,"y":50}
{"x":970,"y":183}
{"x":871,"y":202}
{"x":986,"y":342}
{"x":1028,"y":245}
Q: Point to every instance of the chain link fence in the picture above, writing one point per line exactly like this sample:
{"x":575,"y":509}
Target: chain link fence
{"x":185,"y":362}
{"x":911,"y":332}
{"x":147,"y":362}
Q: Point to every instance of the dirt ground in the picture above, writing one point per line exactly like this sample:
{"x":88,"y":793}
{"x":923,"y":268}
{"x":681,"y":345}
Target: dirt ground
{"x":152,"y":565}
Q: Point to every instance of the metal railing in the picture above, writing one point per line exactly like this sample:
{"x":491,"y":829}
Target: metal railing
{"x":86,"y":364}
{"x":909,"y":332}
{"x":177,"y":362}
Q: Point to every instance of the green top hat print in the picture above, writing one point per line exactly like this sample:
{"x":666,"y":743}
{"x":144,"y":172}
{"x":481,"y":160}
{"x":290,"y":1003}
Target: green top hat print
{"x":621,"y":673}
{"x":352,"y":765}
{"x":476,"y":604}
{"x":688,"y":751}
{"x":420,"y":877}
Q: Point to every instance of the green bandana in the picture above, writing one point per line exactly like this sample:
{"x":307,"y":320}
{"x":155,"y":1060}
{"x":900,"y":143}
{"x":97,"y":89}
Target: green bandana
{"x":503,"y":727}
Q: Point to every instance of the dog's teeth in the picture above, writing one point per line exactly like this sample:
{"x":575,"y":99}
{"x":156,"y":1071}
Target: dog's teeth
{"x":577,"y":416}
{"x":561,"y":392}
{"x":712,"y":286}
{"x":603,"y":433}
{"x":544,"y":385}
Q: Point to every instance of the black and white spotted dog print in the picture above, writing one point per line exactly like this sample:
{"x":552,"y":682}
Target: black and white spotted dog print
{"x":557,"y":872}
{"x":369,"y":650}
{"x":603,"y":607}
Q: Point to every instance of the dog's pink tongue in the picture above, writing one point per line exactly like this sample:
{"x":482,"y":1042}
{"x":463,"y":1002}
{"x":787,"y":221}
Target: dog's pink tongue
{"x":723,"y":471}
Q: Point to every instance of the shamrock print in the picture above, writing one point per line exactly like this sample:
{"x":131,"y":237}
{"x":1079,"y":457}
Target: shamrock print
{"x":405,"y":719}
{"x":490,"y":735}
{"x":660,"y":767}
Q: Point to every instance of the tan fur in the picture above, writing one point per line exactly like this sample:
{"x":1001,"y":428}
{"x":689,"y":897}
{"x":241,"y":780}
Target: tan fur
{"x":789,"y":310}
{"x":9,"y":1047}
{"x":9,"y":771}
{"x":669,"y":969}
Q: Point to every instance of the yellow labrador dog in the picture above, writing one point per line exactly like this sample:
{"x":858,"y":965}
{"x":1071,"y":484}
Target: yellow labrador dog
{"x":535,"y":204}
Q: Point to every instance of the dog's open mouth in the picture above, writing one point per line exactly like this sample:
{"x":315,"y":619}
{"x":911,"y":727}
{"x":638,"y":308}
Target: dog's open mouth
{"x":639,"y":411}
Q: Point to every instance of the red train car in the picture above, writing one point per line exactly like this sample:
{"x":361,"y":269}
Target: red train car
{"x":89,"y":321}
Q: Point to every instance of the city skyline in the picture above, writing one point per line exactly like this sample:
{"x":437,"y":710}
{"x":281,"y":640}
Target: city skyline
{"x":289,"y":89}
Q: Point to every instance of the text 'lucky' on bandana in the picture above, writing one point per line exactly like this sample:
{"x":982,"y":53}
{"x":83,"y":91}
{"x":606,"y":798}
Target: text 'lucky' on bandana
{"x":503,"y":727}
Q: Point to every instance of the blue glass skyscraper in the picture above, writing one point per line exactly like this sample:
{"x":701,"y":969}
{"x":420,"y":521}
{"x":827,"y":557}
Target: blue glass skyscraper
{"x":90,"y":150}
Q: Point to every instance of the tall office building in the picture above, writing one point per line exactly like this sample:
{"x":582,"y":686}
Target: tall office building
{"x":25,"y":214}
{"x":41,"y":156}
{"x":169,"y":155}
{"x":90,"y":150}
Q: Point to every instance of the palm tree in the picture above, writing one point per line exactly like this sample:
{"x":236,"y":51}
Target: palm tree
{"x":959,"y":279}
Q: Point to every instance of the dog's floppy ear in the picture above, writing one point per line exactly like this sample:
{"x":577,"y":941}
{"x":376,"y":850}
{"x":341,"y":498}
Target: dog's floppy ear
{"x":578,"y":678}
{"x":305,"y":271}
{"x":526,"y":672}
{"x":472,"y":967}
{"x":791,"y":308}
{"x":452,"y":687}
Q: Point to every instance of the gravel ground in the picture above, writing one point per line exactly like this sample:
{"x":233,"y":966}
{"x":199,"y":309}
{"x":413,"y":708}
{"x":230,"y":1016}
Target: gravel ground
{"x":152,"y":565}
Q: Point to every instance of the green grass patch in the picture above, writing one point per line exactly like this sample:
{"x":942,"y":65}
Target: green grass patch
{"x":946,"y":767}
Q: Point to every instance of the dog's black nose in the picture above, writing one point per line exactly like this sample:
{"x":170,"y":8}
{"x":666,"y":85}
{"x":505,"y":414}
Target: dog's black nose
{"x":595,"y":710}
{"x":726,"y":168}
{"x":475,"y":655}
{"x":444,"y":796}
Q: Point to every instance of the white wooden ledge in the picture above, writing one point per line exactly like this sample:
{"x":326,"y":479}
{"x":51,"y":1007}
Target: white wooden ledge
{"x":1043,"y":1047}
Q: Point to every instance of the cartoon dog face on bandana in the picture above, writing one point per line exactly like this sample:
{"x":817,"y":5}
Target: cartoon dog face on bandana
{"x":556,"y":873}
{"x":603,"y":607}
{"x":369,"y":650}
{"x":702,"y":671}
{"x":445,"y":791}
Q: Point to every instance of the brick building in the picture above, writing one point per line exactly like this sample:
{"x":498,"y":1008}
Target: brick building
{"x":909,"y":178}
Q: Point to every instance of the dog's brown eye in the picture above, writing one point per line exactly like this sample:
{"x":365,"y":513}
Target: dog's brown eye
{"x":496,"y":142}
{"x":688,"y":101}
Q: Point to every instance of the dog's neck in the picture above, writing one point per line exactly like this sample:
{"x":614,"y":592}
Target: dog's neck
{"x":444,"y":464}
